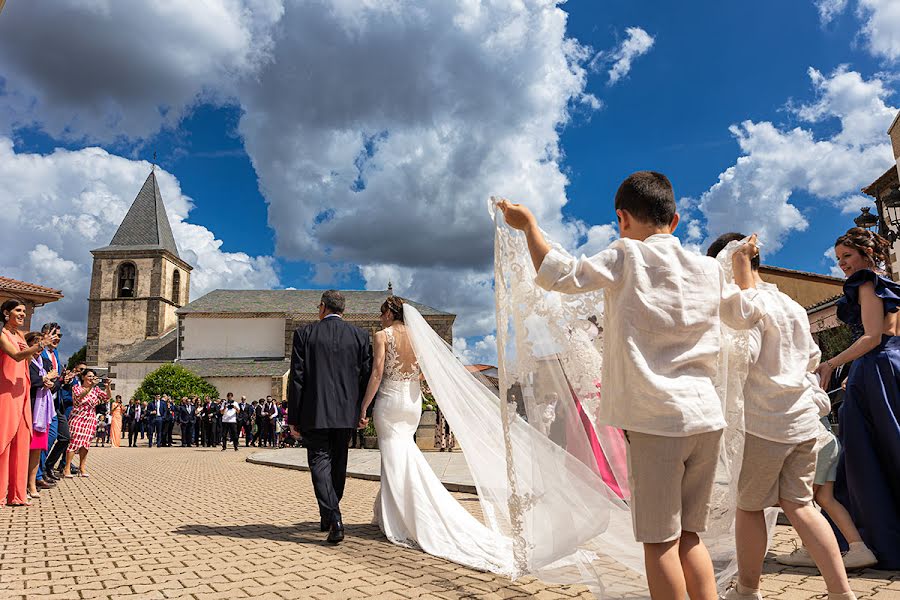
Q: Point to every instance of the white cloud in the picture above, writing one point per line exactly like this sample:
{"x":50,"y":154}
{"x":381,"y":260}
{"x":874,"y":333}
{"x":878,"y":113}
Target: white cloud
{"x":755,"y":193}
{"x":637,"y":43}
{"x":58,"y":207}
{"x":124,"y":69}
{"x":377,"y":129}
{"x":851,"y":205}
{"x":831,"y":263}
{"x":882,"y":27}
{"x":483,"y":351}
{"x":829,"y":9}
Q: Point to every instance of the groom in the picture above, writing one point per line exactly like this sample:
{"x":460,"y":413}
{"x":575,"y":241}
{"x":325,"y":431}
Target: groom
{"x":330,"y":366}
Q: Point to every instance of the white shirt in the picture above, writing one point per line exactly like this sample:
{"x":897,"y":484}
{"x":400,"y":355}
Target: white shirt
{"x":230,"y":415}
{"x":661,"y":336}
{"x":782,"y":401}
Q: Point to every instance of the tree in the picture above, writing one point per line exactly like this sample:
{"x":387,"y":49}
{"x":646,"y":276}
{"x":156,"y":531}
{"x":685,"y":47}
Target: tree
{"x":78,"y":357}
{"x":174,"y":381}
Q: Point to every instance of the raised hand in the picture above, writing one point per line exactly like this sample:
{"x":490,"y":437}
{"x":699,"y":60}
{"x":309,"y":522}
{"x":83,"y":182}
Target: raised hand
{"x":516,"y":215}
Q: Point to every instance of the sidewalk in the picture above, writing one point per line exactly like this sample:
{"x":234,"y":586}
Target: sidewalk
{"x":451,"y":467}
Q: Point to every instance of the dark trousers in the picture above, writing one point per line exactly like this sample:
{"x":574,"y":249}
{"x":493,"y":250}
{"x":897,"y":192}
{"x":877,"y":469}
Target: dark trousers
{"x":357,"y":436}
{"x":247,"y":430}
{"x":229,"y":431}
{"x":187,"y":434}
{"x":326,"y":451}
{"x":155,"y":428}
{"x":133,"y":431}
{"x":57,"y":453}
{"x":168,"y":427}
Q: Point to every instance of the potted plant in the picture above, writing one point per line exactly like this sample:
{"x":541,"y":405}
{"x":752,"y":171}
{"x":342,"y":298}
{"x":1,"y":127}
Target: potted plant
{"x":370,"y":438}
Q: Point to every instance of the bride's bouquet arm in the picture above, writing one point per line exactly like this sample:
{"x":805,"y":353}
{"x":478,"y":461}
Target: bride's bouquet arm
{"x":374,"y":379}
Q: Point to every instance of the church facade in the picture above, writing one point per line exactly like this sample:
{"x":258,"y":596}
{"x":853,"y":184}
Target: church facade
{"x":238,"y":340}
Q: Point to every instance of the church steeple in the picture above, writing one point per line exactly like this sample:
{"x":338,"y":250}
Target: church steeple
{"x":146,"y":226}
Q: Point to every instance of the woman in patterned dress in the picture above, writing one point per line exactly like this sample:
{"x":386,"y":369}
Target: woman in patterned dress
{"x":15,"y":407}
{"x":83,"y":420}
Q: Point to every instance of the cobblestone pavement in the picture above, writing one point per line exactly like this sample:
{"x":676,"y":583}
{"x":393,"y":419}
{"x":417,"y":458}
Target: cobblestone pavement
{"x":204,"y":524}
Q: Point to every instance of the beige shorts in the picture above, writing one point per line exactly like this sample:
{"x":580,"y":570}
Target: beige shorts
{"x":671,"y":481}
{"x":773,"y":471}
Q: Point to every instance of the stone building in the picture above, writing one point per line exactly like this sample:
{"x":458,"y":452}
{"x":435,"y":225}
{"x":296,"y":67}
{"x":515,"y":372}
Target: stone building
{"x":888,"y":182}
{"x":238,"y":340}
{"x":138,"y":281}
{"x":32,"y":294}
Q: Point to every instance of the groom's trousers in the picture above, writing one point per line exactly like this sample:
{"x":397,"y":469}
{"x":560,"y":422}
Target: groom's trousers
{"x":327,"y":454}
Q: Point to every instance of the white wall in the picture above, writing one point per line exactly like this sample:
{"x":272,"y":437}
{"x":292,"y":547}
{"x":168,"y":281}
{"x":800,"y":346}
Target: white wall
{"x":252,"y":387}
{"x":232,"y":338}
{"x":129,"y":377}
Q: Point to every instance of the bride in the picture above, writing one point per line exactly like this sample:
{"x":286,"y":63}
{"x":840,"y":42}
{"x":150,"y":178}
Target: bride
{"x":413,"y":508}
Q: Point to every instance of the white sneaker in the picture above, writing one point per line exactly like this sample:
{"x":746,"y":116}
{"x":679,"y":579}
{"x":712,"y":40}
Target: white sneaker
{"x":733,"y":594}
{"x":859,"y":557}
{"x":798,"y":558}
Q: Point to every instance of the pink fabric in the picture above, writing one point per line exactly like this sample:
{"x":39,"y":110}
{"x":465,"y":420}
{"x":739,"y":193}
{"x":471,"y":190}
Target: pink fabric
{"x":39,"y":440}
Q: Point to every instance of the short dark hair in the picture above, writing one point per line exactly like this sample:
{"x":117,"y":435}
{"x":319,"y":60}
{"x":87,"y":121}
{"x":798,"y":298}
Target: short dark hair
{"x":333,"y":301}
{"x":47,"y":327}
{"x":725,"y":239}
{"x":648,"y":196}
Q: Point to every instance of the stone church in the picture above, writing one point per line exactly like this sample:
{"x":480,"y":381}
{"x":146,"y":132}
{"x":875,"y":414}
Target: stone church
{"x":140,"y":317}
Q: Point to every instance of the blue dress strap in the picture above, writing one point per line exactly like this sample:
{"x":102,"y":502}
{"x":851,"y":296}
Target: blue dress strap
{"x":887,"y":290}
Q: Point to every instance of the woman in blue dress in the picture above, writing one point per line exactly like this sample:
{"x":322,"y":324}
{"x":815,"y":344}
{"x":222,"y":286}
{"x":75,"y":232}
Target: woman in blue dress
{"x":868,"y":472}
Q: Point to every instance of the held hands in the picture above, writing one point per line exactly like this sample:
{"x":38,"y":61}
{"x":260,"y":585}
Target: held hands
{"x":824,"y":371}
{"x":363,"y":421}
{"x":516,"y":215}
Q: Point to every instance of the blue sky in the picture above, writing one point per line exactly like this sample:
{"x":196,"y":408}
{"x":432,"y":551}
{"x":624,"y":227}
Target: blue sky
{"x":262,"y":136}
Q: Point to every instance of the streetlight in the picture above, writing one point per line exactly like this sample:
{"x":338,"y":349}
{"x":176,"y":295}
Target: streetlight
{"x":866,"y":220}
{"x":890,"y":209}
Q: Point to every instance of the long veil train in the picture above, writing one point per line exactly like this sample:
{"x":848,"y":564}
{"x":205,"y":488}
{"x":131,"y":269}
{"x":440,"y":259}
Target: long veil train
{"x":547,"y":475}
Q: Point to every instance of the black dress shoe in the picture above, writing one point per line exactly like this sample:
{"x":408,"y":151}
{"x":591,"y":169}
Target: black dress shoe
{"x":336,"y":533}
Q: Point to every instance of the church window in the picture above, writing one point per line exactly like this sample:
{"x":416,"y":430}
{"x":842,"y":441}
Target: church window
{"x":176,"y":287}
{"x":126,"y":280}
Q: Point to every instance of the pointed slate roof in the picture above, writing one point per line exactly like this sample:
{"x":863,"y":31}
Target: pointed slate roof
{"x":146,"y":226}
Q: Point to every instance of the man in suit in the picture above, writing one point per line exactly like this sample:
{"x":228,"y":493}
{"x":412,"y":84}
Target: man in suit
{"x":169,"y":421}
{"x":58,"y":433}
{"x":133,"y":415}
{"x":155,"y":412}
{"x":187,"y":418}
{"x":331,"y":361}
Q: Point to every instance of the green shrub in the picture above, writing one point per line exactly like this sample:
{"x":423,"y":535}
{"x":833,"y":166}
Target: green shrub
{"x":78,"y":357}
{"x":174,"y":381}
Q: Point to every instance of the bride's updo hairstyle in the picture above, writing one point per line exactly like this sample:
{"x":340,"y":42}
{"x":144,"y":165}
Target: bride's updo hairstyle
{"x":395,"y":305}
{"x":867,"y":243}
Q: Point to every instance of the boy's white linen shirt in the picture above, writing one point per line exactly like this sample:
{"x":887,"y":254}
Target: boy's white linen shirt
{"x":661,"y":340}
{"x":782,"y":402}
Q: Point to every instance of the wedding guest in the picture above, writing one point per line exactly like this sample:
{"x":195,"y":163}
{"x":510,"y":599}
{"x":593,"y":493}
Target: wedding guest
{"x":115,"y":422}
{"x":102,"y":431}
{"x":866,"y":481}
{"x":251,"y":427}
{"x":155,"y":411}
{"x":229,"y":412}
{"x":15,"y":407}
{"x":50,"y":360}
{"x":243,"y":429}
{"x":187,"y":417}
{"x":133,"y":416}
{"x":56,"y":458}
{"x":42,"y":412}
{"x":168,"y":422}
{"x":782,"y":407}
{"x":662,"y":297}
{"x":83,"y":420}
{"x":143,"y":428}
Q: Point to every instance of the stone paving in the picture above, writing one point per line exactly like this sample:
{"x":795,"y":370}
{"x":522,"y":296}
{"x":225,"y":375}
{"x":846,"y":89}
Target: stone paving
{"x":205,"y":524}
{"x":450,"y":467}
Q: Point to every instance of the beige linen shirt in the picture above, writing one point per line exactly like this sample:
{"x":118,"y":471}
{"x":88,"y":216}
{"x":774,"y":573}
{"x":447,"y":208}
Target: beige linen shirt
{"x":662,"y":311}
{"x":782,"y":403}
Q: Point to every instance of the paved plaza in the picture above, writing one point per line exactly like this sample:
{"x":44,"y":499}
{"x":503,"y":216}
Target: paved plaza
{"x":206,"y":524}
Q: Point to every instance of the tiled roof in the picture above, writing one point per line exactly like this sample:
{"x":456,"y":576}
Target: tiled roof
{"x":23,"y":287}
{"x":236,"y":367}
{"x":795,"y":273}
{"x":146,"y":226}
{"x":823,"y":304}
{"x":161,"y":349}
{"x":287,"y":302}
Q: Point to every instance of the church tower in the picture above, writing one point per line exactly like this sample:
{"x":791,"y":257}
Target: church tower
{"x":137,"y":282}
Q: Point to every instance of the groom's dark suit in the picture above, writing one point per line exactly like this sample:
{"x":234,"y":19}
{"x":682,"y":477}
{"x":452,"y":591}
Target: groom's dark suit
{"x":331,"y":362}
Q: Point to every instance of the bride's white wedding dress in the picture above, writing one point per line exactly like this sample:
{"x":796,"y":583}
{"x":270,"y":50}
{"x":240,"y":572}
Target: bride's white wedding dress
{"x":413,"y":508}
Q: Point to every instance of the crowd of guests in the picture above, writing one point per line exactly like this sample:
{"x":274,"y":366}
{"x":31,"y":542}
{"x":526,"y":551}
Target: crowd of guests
{"x":202,"y":422}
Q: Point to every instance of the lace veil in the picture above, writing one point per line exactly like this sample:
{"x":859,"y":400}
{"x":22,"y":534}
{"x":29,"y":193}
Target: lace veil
{"x":548,"y":475}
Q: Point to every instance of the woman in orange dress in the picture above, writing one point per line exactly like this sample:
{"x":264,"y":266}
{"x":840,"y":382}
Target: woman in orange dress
{"x":115,"y":428}
{"x":15,"y":403}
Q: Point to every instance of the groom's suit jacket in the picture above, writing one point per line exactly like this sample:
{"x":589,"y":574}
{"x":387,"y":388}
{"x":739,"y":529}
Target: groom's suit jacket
{"x":331,"y":362}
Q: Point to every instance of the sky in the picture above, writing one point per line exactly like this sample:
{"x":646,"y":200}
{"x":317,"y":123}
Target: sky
{"x":349,"y":143}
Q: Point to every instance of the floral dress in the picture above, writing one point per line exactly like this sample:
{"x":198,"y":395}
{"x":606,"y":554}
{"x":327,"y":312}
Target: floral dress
{"x":83,"y":420}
